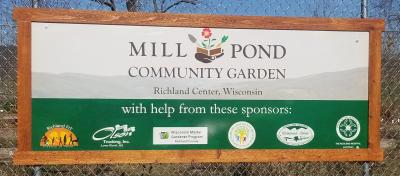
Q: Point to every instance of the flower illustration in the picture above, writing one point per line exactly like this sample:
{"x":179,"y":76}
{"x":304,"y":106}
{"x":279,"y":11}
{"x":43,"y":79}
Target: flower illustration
{"x":208,"y":46}
{"x":206,"y":33}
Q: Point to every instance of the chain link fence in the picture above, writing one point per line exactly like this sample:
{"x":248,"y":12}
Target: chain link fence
{"x":390,"y":130}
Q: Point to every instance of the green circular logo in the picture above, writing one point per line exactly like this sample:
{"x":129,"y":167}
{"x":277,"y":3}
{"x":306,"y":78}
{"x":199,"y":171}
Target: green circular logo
{"x":348,"y":128}
{"x":242,"y":135}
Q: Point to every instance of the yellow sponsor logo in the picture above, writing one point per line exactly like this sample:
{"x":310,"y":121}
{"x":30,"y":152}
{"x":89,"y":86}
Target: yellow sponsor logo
{"x":59,"y":137}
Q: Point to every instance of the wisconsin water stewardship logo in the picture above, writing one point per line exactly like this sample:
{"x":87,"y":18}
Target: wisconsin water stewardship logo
{"x":242,"y":135}
{"x":348,"y":128}
{"x":115,"y":136}
{"x":59,"y":136}
{"x":208,"y":47}
{"x":164,"y":135}
{"x":295,"y":134}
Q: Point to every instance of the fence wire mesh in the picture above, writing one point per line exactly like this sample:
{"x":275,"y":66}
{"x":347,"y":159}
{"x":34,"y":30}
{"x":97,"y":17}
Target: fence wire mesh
{"x":390,"y":130}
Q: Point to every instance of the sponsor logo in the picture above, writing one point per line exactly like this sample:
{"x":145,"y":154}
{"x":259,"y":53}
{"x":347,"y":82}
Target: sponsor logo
{"x":164,"y":135}
{"x":295,"y":134}
{"x":242,"y":135}
{"x":180,"y":135}
{"x":59,"y":136}
{"x":208,"y":47}
{"x":115,"y":136}
{"x":348,"y":128}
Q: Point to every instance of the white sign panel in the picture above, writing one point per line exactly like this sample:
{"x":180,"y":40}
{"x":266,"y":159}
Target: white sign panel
{"x":173,"y":62}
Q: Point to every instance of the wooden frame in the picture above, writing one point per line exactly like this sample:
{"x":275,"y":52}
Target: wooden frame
{"x":25,"y":156}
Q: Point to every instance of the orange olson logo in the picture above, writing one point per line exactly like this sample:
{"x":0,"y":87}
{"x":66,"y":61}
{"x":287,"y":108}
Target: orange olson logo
{"x":59,"y":136}
{"x":208,"y":48}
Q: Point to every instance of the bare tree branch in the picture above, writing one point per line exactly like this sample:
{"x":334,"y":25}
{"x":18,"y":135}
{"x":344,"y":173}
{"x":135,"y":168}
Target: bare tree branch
{"x":110,"y":4}
{"x":162,"y":5}
{"x":132,"y":5}
{"x":193,"y":2}
{"x":155,"y":5}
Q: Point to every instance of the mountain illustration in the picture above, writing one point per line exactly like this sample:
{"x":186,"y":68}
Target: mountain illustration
{"x":350,"y":84}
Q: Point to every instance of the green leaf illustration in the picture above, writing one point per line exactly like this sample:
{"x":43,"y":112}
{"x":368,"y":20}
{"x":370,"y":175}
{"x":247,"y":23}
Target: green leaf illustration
{"x":213,"y":39}
{"x":224,"y":39}
{"x":192,"y":38}
{"x":212,"y":46}
{"x":204,"y":45}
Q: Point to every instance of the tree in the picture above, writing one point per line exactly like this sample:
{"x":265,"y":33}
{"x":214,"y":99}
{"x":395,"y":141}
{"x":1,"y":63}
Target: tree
{"x":159,"y":6}
{"x":110,"y":4}
{"x":388,"y":9}
{"x":162,"y":9}
{"x":45,"y":3}
{"x":132,"y":5}
{"x":321,"y":9}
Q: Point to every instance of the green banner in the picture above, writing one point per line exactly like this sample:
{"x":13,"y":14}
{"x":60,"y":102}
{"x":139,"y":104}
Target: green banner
{"x":166,"y":124}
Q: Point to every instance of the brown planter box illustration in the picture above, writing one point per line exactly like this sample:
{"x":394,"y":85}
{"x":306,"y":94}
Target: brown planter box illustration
{"x":210,"y":52}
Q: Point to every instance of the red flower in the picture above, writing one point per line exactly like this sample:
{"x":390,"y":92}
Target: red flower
{"x":206,"y":33}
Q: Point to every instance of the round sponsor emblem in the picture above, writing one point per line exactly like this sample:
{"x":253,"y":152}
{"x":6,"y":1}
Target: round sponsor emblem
{"x":59,"y":135}
{"x":242,"y":135}
{"x":348,"y":128}
{"x":295,"y":134}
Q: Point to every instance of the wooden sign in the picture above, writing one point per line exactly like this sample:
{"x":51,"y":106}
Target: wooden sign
{"x":105,"y":87}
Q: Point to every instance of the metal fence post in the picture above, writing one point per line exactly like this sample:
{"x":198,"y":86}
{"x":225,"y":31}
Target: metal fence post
{"x":364,"y":13}
{"x":366,"y":169}
{"x":37,"y":171}
{"x":35,"y":3}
